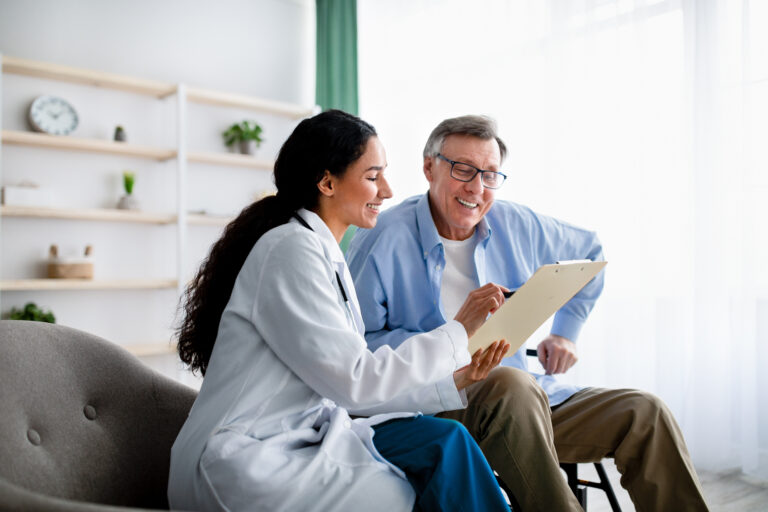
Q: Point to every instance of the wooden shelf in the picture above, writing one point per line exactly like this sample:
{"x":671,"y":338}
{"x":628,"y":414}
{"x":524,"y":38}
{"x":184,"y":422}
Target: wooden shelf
{"x":151,"y":349}
{"x":223,"y":99}
{"x":40,"y":140}
{"x":83,"y":76}
{"x":95,"y":214}
{"x":234,"y":159}
{"x":87,"y":284}
{"x":207,"y":220}
{"x":108,"y":215}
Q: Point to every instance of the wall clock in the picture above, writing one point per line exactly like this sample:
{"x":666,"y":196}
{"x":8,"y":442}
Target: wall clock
{"x":49,"y":114}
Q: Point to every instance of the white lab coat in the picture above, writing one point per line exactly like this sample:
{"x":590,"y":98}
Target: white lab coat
{"x":270,"y":429}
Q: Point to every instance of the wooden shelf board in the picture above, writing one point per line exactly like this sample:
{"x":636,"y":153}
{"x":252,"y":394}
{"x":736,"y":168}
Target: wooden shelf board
{"x":88,"y":145}
{"x":151,"y":349}
{"x":207,"y":220}
{"x":95,"y":214}
{"x":230,"y":159}
{"x":199,"y":95}
{"x":83,"y":76}
{"x":86,"y":284}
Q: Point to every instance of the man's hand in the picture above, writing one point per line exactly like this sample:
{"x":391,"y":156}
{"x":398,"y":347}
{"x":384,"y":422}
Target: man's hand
{"x":557,"y":354}
{"x":479,"y":303}
{"x":482,"y":363}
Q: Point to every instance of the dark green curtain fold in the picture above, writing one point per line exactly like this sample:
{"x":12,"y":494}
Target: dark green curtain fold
{"x":337,"y":55}
{"x":336,"y":85}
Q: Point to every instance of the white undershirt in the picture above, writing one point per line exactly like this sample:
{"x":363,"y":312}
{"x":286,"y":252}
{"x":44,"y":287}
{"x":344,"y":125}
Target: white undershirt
{"x":459,"y":276}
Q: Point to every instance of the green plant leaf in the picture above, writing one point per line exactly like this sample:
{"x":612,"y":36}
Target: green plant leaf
{"x":33,"y":313}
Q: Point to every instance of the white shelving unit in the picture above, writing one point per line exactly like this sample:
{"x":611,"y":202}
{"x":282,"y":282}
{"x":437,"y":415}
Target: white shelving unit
{"x":181,"y":218}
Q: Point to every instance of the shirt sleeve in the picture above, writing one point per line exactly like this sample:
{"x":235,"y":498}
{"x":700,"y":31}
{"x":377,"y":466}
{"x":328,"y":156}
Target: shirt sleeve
{"x":555,"y":240}
{"x":299,"y":313}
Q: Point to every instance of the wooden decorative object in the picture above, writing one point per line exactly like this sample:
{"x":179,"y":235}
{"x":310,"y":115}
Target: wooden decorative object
{"x":70,"y":268}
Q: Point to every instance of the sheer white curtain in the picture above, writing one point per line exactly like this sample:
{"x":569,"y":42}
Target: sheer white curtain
{"x":644,"y":120}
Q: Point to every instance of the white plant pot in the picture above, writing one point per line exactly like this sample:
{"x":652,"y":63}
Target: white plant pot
{"x":128,"y":203}
{"x":248,"y":147}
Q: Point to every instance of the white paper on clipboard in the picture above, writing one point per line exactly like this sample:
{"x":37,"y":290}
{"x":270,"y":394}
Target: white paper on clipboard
{"x":548,"y":289}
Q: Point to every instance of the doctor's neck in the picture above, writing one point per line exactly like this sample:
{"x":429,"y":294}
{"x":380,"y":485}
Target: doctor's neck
{"x":336,"y":225}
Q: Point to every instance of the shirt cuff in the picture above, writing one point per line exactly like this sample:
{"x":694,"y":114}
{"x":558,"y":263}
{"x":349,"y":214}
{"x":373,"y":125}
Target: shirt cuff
{"x":450,"y":397}
{"x":458,"y":337}
{"x":567,"y":326}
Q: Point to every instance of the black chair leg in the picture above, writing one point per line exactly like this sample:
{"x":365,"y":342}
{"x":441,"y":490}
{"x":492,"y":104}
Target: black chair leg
{"x":513,"y":504}
{"x":572,"y":474}
{"x":605,"y":485}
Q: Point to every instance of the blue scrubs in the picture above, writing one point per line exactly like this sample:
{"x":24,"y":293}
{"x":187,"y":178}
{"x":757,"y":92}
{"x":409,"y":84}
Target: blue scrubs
{"x":442,"y":462}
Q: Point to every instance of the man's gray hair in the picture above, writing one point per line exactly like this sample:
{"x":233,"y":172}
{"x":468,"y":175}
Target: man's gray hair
{"x":482,"y":127}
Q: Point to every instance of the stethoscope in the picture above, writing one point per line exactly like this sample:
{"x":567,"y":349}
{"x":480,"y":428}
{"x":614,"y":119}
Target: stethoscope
{"x":338,"y":277}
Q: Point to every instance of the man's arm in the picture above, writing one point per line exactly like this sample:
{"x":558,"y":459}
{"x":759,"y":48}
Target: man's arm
{"x":562,"y":241}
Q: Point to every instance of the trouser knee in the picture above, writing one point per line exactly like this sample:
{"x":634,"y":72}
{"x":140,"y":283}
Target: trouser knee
{"x":508,"y":395}
{"x":647,"y":409}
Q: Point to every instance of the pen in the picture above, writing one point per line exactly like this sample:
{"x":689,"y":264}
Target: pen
{"x":508,"y":294}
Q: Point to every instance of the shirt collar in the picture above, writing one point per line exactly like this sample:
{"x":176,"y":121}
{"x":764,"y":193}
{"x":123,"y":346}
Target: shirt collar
{"x":428,"y":231}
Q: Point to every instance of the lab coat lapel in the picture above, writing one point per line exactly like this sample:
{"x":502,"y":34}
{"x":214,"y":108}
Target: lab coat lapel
{"x":336,"y":257}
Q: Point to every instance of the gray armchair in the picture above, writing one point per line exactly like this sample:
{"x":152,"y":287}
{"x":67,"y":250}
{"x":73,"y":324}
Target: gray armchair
{"x":84,"y":425}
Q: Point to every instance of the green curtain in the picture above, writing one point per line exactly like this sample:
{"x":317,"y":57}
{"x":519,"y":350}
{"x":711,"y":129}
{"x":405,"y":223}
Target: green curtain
{"x":337,"y":55}
{"x":336,"y":85}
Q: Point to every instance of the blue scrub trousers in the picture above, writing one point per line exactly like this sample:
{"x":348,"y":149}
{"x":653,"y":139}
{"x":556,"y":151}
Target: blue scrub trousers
{"x":442,"y":462}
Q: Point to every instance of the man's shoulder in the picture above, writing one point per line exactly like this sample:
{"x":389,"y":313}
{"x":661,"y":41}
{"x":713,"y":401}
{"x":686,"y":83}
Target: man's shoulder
{"x":504,"y":210}
{"x":403,"y":213}
{"x":394,"y":227}
{"x":399,"y":218}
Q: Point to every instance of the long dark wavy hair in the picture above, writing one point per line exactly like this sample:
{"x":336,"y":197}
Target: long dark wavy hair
{"x":328,"y":141}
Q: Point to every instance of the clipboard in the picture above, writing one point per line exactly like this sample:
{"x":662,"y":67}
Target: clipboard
{"x":548,"y":289}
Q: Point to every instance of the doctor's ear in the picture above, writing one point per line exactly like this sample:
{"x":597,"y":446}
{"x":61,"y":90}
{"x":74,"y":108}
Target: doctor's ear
{"x":325,"y":185}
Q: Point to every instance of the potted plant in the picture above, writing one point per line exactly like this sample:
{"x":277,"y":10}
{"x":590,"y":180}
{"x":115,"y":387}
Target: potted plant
{"x":33,"y":313}
{"x":128,"y":201}
{"x":119,"y":134}
{"x":247,"y":134}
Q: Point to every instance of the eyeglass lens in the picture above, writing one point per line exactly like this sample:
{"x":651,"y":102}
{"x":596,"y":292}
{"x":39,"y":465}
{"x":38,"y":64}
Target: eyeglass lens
{"x":465,"y":172}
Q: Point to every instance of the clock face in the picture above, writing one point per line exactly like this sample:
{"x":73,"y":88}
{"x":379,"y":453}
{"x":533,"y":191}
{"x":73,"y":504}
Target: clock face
{"x":49,"y":114}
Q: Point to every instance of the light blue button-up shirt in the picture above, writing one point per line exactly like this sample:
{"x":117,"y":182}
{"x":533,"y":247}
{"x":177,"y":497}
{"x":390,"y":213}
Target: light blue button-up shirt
{"x":398,"y":267}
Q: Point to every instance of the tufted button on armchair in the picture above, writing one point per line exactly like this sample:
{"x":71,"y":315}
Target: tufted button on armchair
{"x":84,"y":425}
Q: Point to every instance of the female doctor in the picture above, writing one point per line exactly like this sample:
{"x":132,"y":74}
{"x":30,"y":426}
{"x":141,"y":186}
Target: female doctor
{"x":272,"y":322}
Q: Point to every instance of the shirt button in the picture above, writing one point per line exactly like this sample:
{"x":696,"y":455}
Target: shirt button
{"x":437,"y":267}
{"x":347,"y":424}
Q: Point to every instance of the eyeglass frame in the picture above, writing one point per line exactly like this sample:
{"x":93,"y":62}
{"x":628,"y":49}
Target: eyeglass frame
{"x":482,"y":172}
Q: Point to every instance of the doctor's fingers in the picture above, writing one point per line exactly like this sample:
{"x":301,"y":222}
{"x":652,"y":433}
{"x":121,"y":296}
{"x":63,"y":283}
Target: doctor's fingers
{"x":487,"y":292}
{"x":474,"y":311}
{"x":491,"y":357}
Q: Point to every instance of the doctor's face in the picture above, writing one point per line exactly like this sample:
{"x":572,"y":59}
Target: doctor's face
{"x":361,"y":190}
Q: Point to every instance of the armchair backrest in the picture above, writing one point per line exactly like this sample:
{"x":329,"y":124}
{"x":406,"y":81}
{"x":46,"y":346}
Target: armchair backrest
{"x":82,"y":419}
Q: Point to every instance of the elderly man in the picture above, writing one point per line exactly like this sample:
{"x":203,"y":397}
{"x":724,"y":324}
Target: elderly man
{"x":427,"y":258}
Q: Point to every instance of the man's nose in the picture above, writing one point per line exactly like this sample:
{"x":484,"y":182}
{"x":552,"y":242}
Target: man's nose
{"x":475,"y":185}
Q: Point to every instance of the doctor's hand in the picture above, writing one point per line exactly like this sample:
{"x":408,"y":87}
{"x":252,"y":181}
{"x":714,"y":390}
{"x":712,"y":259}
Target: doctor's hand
{"x":479,"y":303}
{"x":482,"y":363}
{"x":557,"y":354}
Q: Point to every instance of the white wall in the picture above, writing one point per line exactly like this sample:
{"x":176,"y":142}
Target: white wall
{"x":262,"y":48}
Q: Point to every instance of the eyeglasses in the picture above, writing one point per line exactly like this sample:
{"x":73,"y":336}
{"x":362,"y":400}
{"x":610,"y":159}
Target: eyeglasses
{"x":466,"y":173}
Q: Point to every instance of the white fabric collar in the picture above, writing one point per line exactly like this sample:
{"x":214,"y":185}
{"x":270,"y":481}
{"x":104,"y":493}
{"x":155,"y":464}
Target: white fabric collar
{"x":337,"y":259}
{"x":321,"y":228}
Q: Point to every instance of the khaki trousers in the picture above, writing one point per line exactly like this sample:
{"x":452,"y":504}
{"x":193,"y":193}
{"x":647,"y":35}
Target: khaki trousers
{"x":524,"y":440}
